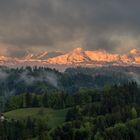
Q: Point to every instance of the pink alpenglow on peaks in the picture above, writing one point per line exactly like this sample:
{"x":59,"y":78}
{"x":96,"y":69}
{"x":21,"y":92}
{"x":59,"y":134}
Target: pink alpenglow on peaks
{"x":77,"y":56}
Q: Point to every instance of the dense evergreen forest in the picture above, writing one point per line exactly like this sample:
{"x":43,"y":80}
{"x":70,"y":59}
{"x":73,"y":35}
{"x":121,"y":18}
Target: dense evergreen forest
{"x":38,"y":80}
{"x":95,"y":104}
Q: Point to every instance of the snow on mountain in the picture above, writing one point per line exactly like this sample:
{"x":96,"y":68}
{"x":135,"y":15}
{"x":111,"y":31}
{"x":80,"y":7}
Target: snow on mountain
{"x":132,"y":57}
{"x":41,"y":56}
{"x":8,"y":61}
{"x":77,"y":56}
{"x":135,"y":52}
{"x":102,"y":55}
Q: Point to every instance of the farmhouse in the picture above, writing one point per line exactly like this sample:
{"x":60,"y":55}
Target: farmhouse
{"x":2,"y":118}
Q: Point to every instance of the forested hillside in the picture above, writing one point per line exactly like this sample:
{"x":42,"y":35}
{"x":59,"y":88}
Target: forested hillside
{"x":38,"y":80}
{"x":112,"y":112}
{"x":79,"y":104}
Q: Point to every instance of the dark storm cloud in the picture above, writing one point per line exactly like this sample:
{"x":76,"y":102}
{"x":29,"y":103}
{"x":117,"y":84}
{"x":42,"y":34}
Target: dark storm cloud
{"x":57,"y":24}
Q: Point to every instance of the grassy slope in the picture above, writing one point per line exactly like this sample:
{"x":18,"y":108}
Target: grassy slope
{"x":52,"y":117}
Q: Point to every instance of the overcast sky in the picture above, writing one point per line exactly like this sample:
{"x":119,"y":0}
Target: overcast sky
{"x":61,"y":25}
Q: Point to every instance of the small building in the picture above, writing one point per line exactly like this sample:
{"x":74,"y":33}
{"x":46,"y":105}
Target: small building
{"x":2,"y":118}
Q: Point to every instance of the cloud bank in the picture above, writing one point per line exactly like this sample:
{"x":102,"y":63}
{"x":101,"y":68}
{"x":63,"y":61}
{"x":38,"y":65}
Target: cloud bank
{"x":41,"y":25}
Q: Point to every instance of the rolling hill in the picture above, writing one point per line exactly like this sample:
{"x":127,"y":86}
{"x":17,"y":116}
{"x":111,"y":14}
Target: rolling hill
{"x":52,"y":117}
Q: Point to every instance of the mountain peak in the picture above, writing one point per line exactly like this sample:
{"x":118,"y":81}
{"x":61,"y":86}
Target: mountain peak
{"x":135,"y":51}
{"x":78,"y":50}
{"x":77,"y":56}
{"x":28,"y":55}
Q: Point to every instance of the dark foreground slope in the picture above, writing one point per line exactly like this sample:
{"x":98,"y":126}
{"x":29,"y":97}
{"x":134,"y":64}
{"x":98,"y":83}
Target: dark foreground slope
{"x":110,"y":113}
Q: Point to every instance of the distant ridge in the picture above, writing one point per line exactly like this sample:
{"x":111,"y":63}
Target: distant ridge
{"x":77,"y":56}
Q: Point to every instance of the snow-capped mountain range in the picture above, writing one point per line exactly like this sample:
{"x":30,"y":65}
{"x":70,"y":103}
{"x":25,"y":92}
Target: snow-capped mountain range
{"x":77,"y":57}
